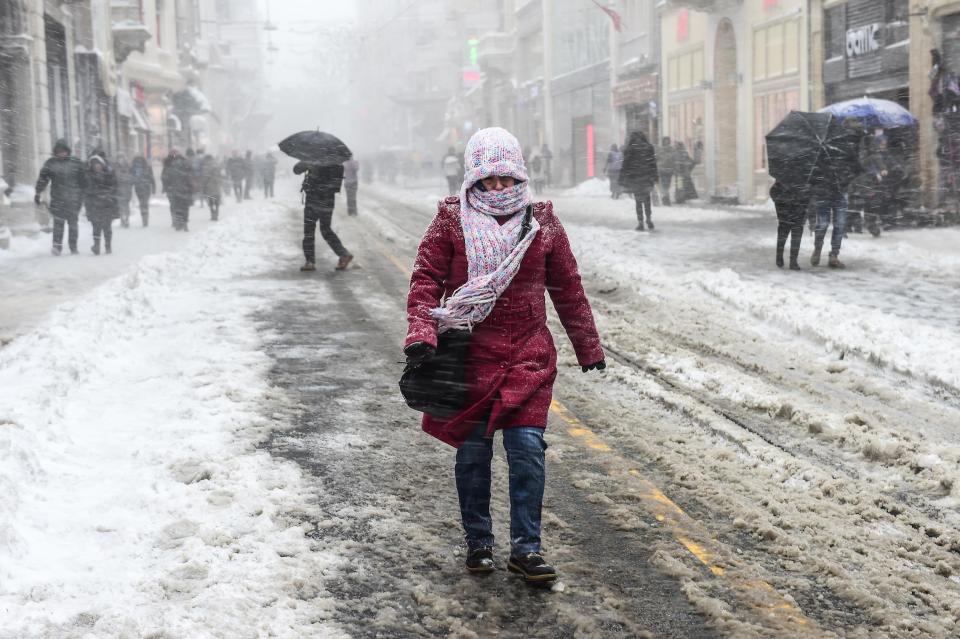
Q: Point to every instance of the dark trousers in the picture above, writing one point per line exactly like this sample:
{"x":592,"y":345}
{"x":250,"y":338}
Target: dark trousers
{"x":312,"y":215}
{"x":268,"y":187}
{"x":180,"y":209}
{"x":73,"y":232}
{"x":238,"y":189}
{"x":666,"y":179}
{"x":790,"y":220}
{"x":351,"y":189}
{"x":525,"y":457}
{"x":214,"y":202}
{"x":143,"y":197}
{"x":643,"y":207}
{"x":123,"y":203}
{"x":102,"y":227}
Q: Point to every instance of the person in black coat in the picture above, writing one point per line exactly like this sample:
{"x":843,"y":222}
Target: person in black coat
{"x":67,"y":176}
{"x":143,"y":185}
{"x":791,"y":204}
{"x":639,"y":173}
{"x":178,"y":183}
{"x":237,"y":170}
{"x":320,"y":185}
{"x":100,"y":201}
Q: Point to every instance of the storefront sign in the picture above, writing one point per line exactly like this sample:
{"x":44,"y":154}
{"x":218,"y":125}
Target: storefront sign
{"x":637,"y":91}
{"x":863,"y":40}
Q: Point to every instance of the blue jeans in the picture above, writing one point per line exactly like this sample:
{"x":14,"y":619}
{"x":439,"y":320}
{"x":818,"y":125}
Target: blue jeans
{"x":838,"y":209}
{"x":525,"y":457}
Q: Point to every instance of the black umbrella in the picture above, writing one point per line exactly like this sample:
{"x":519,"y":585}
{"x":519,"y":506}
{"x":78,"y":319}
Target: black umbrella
{"x":805,"y":148}
{"x":316,"y":146}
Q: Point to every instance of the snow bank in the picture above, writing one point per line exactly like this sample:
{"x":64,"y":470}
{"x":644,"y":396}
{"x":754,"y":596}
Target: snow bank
{"x":134,"y":500}
{"x":905,"y":345}
{"x":594,"y":187}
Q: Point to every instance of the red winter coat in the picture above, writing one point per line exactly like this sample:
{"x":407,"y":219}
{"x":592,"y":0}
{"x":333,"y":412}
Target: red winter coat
{"x":512,"y":361}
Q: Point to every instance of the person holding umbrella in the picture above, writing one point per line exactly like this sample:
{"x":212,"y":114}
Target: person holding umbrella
{"x":807,"y":154}
{"x":321,"y":158}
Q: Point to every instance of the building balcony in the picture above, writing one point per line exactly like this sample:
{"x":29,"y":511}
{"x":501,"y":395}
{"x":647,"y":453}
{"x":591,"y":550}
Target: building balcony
{"x":496,"y":51}
{"x":129,"y":36}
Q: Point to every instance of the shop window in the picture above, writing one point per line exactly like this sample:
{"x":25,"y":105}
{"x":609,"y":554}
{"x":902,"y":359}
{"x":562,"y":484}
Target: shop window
{"x":775,"y":51}
{"x":685,"y":71}
{"x":768,"y":110}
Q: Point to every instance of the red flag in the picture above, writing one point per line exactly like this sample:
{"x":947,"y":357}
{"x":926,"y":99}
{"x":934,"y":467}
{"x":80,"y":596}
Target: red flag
{"x":610,"y":12}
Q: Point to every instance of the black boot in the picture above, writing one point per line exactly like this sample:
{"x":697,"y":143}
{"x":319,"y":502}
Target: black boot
{"x":815,"y":257}
{"x":96,"y":247}
{"x":649,"y":223}
{"x":779,"y":257}
{"x":532,"y":567}
{"x":480,"y":561}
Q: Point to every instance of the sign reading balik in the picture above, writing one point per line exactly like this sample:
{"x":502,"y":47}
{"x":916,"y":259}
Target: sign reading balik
{"x":863,"y":40}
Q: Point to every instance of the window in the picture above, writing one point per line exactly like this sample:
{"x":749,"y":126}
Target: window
{"x":685,"y":71}
{"x":834,"y":36}
{"x":768,"y":110}
{"x":776,"y":50}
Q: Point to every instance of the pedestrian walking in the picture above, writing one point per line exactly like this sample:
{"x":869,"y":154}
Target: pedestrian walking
{"x":684,"y":164}
{"x":320,"y":186}
{"x":611,"y":169}
{"x":878,"y":185}
{"x":547,"y":156}
{"x":484,"y":265}
{"x":639,"y":174}
{"x":248,"y":174}
{"x":268,"y":174}
{"x":351,"y":181}
{"x":666,"y":166}
{"x":791,"y":205}
{"x":100,"y":202}
{"x":537,"y":174}
{"x":179,"y":185}
{"x":236,"y":169}
{"x":830,"y":206}
{"x":67,"y":177}
{"x":144,"y":186}
{"x":124,"y":189}
{"x":210,"y":185}
{"x":452,"y":170}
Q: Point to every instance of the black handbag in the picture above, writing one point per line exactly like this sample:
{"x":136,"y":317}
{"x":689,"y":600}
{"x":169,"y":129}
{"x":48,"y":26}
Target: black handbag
{"x":437,"y":386}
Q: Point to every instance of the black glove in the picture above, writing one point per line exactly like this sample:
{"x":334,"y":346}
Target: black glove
{"x":419,"y":352}
{"x":36,"y":199}
{"x":596,"y":366}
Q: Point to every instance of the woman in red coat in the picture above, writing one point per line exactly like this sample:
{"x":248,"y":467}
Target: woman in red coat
{"x":481,"y":268}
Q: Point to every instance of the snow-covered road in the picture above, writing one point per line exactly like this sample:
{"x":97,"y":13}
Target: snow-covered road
{"x":211,"y":444}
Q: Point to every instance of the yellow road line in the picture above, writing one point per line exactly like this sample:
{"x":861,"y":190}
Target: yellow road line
{"x":690,"y":533}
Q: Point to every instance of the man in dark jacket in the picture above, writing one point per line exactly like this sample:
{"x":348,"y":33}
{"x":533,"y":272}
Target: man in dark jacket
{"x":178,"y":183}
{"x":68,"y":178}
{"x":237,"y":170}
{"x":639,"y":174}
{"x":320,"y":185}
{"x":144,"y":185}
{"x":830,"y":204}
{"x":100,"y":201}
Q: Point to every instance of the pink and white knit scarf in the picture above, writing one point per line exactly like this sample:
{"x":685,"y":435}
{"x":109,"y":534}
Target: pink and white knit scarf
{"x":494,"y":253}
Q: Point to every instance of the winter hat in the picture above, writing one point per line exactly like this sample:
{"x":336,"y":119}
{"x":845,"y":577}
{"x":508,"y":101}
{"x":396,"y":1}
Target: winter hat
{"x":61,"y":145}
{"x":492,"y":151}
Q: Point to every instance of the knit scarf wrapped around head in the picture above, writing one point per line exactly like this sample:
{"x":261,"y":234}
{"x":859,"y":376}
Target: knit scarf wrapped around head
{"x":494,"y":251}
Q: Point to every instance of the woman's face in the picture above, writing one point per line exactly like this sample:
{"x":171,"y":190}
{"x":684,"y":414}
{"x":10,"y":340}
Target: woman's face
{"x":498,"y":182}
